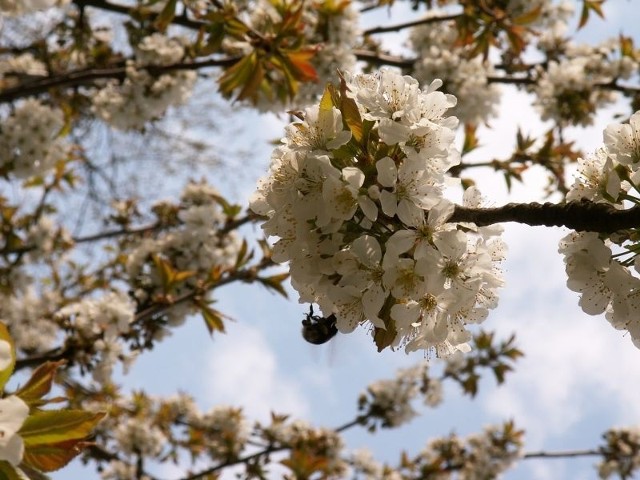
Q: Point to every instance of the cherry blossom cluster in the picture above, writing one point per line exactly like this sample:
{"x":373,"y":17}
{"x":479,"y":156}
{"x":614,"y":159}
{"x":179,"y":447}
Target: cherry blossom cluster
{"x":27,"y":314}
{"x":620,"y":454}
{"x":23,"y":64}
{"x":225,"y":431}
{"x":30,"y":139}
{"x":97,"y":324}
{"x":299,"y":435}
{"x":141,"y":425}
{"x":570,"y":89}
{"x":333,"y":26}
{"x":155,"y":427}
{"x":21,"y":7}
{"x":464,"y":73}
{"x":602,"y":269}
{"x":198,"y":245}
{"x":479,"y":456}
{"x":464,"y":76}
{"x":356,"y":202}
{"x":142,"y":96}
{"x":390,"y":401}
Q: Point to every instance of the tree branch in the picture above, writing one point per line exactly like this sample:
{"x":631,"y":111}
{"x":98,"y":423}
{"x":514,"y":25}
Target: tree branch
{"x":414,"y":23}
{"x":582,"y":216}
{"x":95,"y":237}
{"x":381,"y":59}
{"x":566,"y":454}
{"x":126,"y":10}
{"x":265,"y":451}
{"x":84,"y":77}
{"x":67,"y":350}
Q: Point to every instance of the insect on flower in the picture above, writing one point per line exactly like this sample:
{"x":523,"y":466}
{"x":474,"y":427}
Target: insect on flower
{"x":317,"y":329}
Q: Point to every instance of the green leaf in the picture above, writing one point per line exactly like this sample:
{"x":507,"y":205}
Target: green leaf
{"x":212,"y":318}
{"x":242,"y":257}
{"x":32,"y":473}
{"x":275,"y":283}
{"x":35,"y":181}
{"x":169,"y":276}
{"x":238,"y":74}
{"x":587,"y":7}
{"x":39,"y":384}
{"x":9,"y":472}
{"x":56,"y":426}
{"x":326,"y":102}
{"x":528,"y":17}
{"x":5,"y":374}
{"x":626,"y":47}
{"x":507,"y":180}
{"x":216,"y":32}
{"x":167,"y":14}
{"x":250,"y":89}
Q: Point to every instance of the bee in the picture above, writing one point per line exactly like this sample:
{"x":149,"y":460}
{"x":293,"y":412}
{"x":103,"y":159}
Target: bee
{"x":317,"y":329}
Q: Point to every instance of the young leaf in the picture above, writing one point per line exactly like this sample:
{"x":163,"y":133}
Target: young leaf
{"x":350,"y":112}
{"x":470,"y":138}
{"x":528,"y":17}
{"x":242,"y":258}
{"x":8,"y":356}
{"x":326,"y":102}
{"x":212,"y":318}
{"x":55,"y":426}
{"x":587,"y":6}
{"x":9,"y":472}
{"x":275,"y":283}
{"x":166,"y":15}
{"x":626,"y":47}
{"x":52,"y":457}
{"x":250,"y":89}
{"x":238,"y":74}
{"x":39,"y":384}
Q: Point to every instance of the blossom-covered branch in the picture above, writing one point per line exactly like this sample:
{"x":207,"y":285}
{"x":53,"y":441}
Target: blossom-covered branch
{"x":92,"y":76}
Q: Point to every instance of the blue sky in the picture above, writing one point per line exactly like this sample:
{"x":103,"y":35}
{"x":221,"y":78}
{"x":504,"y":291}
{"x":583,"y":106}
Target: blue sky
{"x":578,"y":378}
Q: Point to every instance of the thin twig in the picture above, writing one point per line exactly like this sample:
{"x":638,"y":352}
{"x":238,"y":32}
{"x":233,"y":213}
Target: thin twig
{"x":126,"y":10}
{"x":414,"y":23}
{"x":565,"y":454}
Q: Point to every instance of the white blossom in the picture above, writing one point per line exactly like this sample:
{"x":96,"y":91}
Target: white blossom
{"x":29,"y":140}
{"x":362,"y":235}
{"x":13,"y":413}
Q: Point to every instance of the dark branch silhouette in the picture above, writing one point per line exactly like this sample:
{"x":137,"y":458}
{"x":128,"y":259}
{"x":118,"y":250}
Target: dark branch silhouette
{"x":90,"y":76}
{"x":582,"y":216}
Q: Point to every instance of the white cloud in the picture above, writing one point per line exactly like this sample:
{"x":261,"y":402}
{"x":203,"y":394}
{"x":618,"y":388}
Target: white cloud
{"x":244,"y":371}
{"x":577,"y":368}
